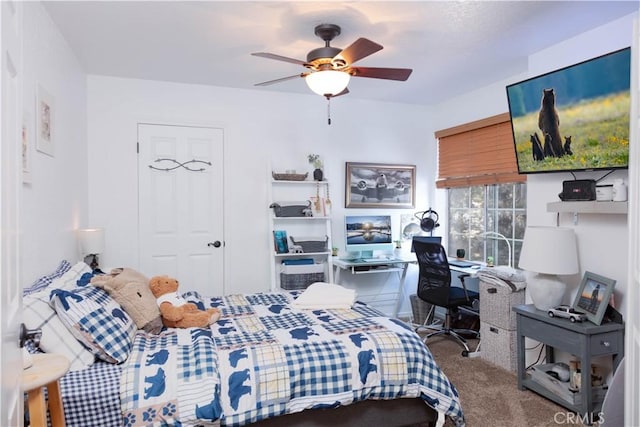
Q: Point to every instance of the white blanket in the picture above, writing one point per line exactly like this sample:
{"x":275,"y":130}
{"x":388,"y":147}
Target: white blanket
{"x":321,"y":295}
{"x":504,"y":276}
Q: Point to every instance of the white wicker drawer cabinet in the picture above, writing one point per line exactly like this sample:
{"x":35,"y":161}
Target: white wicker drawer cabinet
{"x":498,"y":324}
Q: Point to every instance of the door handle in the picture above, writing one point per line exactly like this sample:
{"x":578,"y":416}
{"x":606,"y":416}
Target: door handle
{"x":215,"y":244}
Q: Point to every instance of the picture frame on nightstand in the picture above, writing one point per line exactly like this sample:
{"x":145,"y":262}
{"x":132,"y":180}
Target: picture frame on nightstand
{"x":594,"y":294}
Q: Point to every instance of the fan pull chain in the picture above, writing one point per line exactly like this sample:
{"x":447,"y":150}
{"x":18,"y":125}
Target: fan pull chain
{"x":329,"y":110}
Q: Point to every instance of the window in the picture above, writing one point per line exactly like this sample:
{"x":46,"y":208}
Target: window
{"x":500,"y":208}
{"x":477,"y":165}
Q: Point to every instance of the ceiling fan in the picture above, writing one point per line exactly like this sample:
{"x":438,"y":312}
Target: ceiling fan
{"x":330,"y":68}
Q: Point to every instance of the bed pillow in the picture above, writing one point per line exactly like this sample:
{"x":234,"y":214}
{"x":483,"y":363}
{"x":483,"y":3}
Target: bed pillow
{"x":97,"y":321}
{"x":46,"y":280}
{"x":56,"y":338}
{"x":39,"y":314}
{"x":78,"y":275}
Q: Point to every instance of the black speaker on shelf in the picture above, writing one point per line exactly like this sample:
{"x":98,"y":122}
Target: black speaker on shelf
{"x":578,"y":190}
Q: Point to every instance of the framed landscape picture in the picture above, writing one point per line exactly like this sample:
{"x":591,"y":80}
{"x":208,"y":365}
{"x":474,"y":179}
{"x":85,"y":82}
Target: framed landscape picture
{"x":378,"y":185}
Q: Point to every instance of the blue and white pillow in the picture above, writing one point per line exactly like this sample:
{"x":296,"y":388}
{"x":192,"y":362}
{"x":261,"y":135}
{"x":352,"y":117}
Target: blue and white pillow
{"x":97,"y":321}
{"x":47,"y":279}
{"x":39,"y":314}
{"x":56,"y":338}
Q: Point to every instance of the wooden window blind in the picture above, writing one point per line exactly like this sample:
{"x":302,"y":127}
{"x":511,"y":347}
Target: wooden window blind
{"x":477,"y":153}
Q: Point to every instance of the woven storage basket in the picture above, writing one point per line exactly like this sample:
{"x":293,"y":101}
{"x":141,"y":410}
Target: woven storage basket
{"x":499,"y":346}
{"x":289,"y":176}
{"x":421,"y":310}
{"x":294,"y":282}
{"x":291,"y":209}
{"x":496,"y":303}
{"x":311,"y":244}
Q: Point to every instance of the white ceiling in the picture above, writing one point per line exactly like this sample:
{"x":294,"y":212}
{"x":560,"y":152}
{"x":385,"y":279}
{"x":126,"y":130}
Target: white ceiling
{"x":452,"y":47}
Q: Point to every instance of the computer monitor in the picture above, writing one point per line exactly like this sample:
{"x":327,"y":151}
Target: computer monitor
{"x":365,"y":234}
{"x":426,"y":239}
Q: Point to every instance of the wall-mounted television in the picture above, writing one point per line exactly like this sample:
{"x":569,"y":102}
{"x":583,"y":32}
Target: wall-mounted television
{"x":365,"y":234}
{"x":575,"y":118}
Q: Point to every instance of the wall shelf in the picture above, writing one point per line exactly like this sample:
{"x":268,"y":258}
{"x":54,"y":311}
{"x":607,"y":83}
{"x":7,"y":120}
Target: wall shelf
{"x":592,"y":207}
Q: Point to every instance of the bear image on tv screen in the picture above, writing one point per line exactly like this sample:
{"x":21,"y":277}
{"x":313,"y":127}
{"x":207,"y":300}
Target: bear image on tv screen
{"x":549,"y":124}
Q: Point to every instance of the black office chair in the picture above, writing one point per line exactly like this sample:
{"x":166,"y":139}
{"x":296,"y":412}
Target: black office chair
{"x":434,"y":287}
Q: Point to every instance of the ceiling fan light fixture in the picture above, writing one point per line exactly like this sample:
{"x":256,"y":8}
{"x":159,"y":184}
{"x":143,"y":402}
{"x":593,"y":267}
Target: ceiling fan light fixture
{"x":328,"y":82}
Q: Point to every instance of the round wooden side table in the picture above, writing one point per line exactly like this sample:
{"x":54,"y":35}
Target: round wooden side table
{"x":45,"y":372}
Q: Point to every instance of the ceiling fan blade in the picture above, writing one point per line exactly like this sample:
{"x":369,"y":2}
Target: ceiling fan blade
{"x":401,"y":74}
{"x":283,"y":79}
{"x":359,"y":49}
{"x":344,"y":92}
{"x":278,"y":57}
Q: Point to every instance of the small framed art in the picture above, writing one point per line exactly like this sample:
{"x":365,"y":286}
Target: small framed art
{"x":593,"y":296}
{"x":376,"y":185}
{"x":45,"y":124}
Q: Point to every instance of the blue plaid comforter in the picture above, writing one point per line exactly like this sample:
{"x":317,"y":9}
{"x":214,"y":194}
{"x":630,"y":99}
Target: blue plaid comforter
{"x":264,"y":358}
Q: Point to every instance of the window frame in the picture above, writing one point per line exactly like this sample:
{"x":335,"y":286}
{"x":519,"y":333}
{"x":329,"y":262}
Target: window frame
{"x":486,"y":214}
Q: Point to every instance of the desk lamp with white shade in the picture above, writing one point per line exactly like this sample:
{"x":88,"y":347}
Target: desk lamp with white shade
{"x":548,"y":251}
{"x":496,"y":235}
{"x":90,"y":245}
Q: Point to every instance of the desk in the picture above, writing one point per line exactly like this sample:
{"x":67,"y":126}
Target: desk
{"x":584,"y":340}
{"x":44,"y":372}
{"x":397,"y":265}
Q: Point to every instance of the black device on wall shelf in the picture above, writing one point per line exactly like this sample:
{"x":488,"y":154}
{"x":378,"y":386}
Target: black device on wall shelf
{"x":578,"y":190}
{"x":574,"y":118}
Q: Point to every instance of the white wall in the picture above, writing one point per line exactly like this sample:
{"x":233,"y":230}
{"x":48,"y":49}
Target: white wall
{"x":262,"y":131}
{"x":602,"y":239}
{"x":55,"y":202}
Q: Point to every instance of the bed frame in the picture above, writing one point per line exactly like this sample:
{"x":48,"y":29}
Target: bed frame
{"x":388,"y":413}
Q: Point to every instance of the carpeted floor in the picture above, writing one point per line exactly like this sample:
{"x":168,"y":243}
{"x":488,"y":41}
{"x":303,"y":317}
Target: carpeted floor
{"x":489,"y":394}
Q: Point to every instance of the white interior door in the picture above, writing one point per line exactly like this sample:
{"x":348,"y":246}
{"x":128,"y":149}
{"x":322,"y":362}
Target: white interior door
{"x":632,"y":314}
{"x":10,"y":182}
{"x":181,"y":205}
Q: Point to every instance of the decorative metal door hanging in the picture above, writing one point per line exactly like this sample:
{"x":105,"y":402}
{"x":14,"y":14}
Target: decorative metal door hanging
{"x":177,"y":164}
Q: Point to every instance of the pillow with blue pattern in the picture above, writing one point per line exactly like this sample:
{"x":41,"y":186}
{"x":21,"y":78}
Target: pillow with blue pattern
{"x":38,"y":313}
{"x":97,"y":321}
{"x":46,"y":280}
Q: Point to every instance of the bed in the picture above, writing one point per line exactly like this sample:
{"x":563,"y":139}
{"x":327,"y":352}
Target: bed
{"x":264,"y":363}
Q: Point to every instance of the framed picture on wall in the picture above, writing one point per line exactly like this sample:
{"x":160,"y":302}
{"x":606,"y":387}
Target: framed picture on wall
{"x":45,"y":125}
{"x":593,"y":296}
{"x":26,"y":135}
{"x":378,"y":185}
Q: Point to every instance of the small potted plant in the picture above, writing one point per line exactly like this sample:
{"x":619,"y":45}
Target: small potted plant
{"x":314,"y":159}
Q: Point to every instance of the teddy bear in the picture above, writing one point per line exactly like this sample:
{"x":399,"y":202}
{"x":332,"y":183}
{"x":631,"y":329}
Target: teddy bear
{"x":175,"y":311}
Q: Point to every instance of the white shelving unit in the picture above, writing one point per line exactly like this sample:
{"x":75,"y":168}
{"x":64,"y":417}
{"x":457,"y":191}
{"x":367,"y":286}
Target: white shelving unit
{"x":313,"y":226}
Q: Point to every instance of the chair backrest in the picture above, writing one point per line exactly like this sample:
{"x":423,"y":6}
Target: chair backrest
{"x":434,"y":278}
{"x":428,"y":239}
